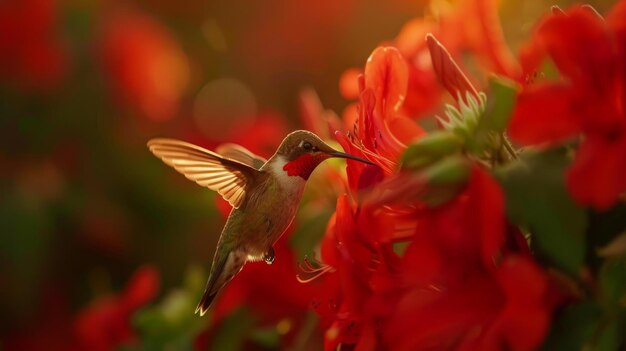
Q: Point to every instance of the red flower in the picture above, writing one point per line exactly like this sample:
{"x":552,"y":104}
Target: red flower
{"x":473,"y":25}
{"x":354,"y":294}
{"x":33,"y":55}
{"x":589,"y":99}
{"x":463,"y":286}
{"x":381,"y":130}
{"x":315,"y":118}
{"x":106,"y":323}
{"x":463,"y":26}
{"x":463,"y":283}
{"x":467,"y":280}
{"x":145,"y":64}
{"x":480,"y":310}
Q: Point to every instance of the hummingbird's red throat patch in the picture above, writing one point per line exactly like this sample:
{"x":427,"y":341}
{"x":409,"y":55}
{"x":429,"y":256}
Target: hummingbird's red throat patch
{"x":304,"y":165}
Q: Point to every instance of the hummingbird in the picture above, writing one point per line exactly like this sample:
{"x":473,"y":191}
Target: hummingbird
{"x":264,"y":195}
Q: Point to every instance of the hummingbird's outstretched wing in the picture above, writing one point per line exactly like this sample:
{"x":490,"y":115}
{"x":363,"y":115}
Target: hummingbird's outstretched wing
{"x":230,"y":178}
{"x":241,"y":154}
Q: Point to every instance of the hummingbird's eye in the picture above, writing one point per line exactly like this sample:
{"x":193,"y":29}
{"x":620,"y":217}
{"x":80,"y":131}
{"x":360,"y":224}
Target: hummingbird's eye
{"x":307,"y":146}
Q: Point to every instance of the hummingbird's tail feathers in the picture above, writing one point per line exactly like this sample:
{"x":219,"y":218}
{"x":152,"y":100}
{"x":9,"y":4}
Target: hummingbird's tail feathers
{"x":225,"y":267}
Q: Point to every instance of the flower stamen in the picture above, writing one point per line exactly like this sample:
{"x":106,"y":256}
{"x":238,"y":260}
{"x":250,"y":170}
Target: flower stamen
{"x":312,"y":271}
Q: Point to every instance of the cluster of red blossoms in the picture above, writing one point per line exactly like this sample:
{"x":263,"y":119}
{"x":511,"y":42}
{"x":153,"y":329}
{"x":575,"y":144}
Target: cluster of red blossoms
{"x":588,"y":98}
{"x":466,"y":279}
{"x":420,"y":253}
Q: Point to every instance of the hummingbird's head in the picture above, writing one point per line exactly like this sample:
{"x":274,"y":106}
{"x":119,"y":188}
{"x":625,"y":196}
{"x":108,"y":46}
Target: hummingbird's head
{"x":302,"y":151}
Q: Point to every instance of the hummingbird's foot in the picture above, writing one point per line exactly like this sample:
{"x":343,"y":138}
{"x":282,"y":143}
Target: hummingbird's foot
{"x":269,"y":256}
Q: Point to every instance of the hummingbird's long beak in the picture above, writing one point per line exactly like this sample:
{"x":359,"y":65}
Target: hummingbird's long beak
{"x":344,"y":155}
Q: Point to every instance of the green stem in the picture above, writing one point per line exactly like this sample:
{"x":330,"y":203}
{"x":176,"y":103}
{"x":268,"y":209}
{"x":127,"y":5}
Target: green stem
{"x":507,"y":145}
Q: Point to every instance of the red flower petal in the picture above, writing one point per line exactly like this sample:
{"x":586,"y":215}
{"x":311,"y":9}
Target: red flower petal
{"x":486,"y":201}
{"x":384,"y":89}
{"x":579,"y":45}
{"x":33,"y":54}
{"x":312,"y":113}
{"x":616,"y":20}
{"x":584,"y":50}
{"x":354,"y":169}
{"x":144,"y":62}
{"x":597,"y":175}
{"x":474,"y":26}
{"x":470,"y":228}
{"x":106,"y":323}
{"x":543,"y":114}
{"x":524,"y":321}
{"x":435,"y":318}
{"x":487,"y":37}
{"x":422,"y":261}
{"x":387,"y":75}
{"x":424,"y":93}
{"x":142,"y":287}
{"x":405,"y":129}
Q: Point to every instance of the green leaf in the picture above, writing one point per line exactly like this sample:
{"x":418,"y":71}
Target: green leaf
{"x":488,"y":134}
{"x":310,"y":231}
{"x":24,"y":245}
{"x":536,"y":198}
{"x":548,"y":71}
{"x":609,"y":337}
{"x":574,"y":327}
{"x":503,"y":94}
{"x":584,"y":326}
{"x":451,"y":170}
{"x":400,"y":247}
{"x":445,"y":178}
{"x":604,"y":228}
{"x":268,"y":338}
{"x":306,"y":337}
{"x":172,"y":324}
{"x":234,"y":331}
{"x":612,"y":279}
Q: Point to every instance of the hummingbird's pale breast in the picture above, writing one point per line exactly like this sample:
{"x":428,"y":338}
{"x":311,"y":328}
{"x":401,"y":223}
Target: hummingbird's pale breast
{"x":269,"y":210}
